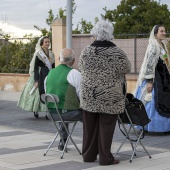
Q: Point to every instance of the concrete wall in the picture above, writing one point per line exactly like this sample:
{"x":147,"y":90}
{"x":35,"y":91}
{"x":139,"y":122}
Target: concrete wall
{"x":12,"y":82}
{"x":16,"y":82}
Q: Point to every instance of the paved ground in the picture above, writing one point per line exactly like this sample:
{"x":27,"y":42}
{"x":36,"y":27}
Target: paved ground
{"x":23,"y":140}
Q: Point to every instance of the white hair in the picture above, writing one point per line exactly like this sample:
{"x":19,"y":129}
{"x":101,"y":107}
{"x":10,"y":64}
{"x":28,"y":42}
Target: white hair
{"x":67,"y":55}
{"x":103,"y":30}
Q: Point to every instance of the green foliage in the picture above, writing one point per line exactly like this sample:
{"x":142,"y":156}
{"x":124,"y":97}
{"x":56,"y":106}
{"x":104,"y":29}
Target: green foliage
{"x":96,"y":19}
{"x":50,"y":18}
{"x":76,"y":30}
{"x":74,"y":7}
{"x":2,"y":54}
{"x":44,"y":31}
{"x":15,"y":55}
{"x":3,"y":34}
{"x":85,"y":27}
{"x":138,"y":17}
{"x":61,"y":13}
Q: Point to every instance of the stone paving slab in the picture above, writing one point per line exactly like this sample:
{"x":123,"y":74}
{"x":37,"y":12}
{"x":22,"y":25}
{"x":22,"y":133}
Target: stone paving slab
{"x":32,"y":157}
{"x":23,"y":140}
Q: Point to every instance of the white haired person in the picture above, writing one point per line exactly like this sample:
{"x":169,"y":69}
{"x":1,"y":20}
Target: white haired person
{"x":103,"y":66}
{"x":41,"y":63}
{"x":153,"y":84}
{"x":64,"y":81}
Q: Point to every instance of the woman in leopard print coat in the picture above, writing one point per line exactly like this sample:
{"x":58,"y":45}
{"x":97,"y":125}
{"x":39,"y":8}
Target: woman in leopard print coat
{"x":103,"y":67}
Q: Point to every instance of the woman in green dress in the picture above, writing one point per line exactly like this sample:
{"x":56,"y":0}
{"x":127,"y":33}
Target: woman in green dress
{"x":42,"y":61}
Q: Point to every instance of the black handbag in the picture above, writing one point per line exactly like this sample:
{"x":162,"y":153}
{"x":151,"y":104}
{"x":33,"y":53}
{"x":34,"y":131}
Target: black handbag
{"x":136,"y":111}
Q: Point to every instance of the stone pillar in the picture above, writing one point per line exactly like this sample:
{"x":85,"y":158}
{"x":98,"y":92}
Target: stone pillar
{"x":58,"y":37}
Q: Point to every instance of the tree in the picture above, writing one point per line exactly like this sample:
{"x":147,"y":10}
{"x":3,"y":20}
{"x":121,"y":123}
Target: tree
{"x":49,"y":21}
{"x":51,"y":18}
{"x":138,"y":17}
{"x":15,"y":55}
{"x":85,"y":27}
{"x":3,"y":34}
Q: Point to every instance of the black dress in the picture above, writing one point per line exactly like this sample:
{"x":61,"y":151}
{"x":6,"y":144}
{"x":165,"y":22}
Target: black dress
{"x":40,"y":73}
{"x":162,"y":89}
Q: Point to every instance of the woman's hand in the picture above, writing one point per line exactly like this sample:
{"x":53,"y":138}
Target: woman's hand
{"x":149,"y":87}
{"x":36,"y":84}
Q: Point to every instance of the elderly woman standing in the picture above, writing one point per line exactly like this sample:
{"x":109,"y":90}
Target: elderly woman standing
{"x":103,"y":67}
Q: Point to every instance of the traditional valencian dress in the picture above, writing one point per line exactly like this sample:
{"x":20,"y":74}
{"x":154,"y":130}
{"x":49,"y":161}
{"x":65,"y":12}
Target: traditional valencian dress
{"x":39,"y":68}
{"x":43,"y":64}
{"x":155,"y":68}
{"x":30,"y":102}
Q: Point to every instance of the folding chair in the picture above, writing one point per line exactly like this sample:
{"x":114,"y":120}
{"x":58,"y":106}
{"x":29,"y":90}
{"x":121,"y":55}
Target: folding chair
{"x":55,"y":99}
{"x":135,"y":137}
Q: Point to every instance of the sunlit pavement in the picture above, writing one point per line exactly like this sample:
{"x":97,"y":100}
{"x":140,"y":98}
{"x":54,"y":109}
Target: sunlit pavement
{"x":24,"y":139}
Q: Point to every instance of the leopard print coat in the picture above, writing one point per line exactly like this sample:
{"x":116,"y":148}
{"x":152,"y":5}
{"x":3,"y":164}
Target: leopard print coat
{"x":103,"y":67}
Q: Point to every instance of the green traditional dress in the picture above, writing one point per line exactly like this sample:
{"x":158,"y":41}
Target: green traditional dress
{"x":31,"y":102}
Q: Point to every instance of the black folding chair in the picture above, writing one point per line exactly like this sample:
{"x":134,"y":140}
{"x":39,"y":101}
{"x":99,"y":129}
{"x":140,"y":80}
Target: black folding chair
{"x":128,"y":123}
{"x":55,"y":99}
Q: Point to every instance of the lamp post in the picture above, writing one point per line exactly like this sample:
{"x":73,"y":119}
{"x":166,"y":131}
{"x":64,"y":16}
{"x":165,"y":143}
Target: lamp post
{"x":69,"y":24}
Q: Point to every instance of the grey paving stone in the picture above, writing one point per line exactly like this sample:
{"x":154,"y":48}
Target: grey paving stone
{"x":4,"y":151}
{"x":126,"y":155}
{"x":70,"y":165}
{"x":14,"y":117}
{"x":13,"y":133}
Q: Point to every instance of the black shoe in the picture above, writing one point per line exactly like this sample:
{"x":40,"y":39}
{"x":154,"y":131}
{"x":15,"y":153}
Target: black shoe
{"x":36,"y":114}
{"x":114,"y":162}
{"x":46,"y":116}
{"x":61,"y":145}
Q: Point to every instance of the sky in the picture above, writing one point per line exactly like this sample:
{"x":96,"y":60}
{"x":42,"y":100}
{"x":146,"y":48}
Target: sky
{"x":21,"y":15}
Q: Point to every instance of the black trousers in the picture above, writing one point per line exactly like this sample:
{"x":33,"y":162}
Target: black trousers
{"x":75,"y":115}
{"x":98,"y":130}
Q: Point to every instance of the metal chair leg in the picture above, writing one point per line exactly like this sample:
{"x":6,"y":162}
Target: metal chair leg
{"x":127,"y":136}
{"x":70,"y":138}
{"x":51,"y":144}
